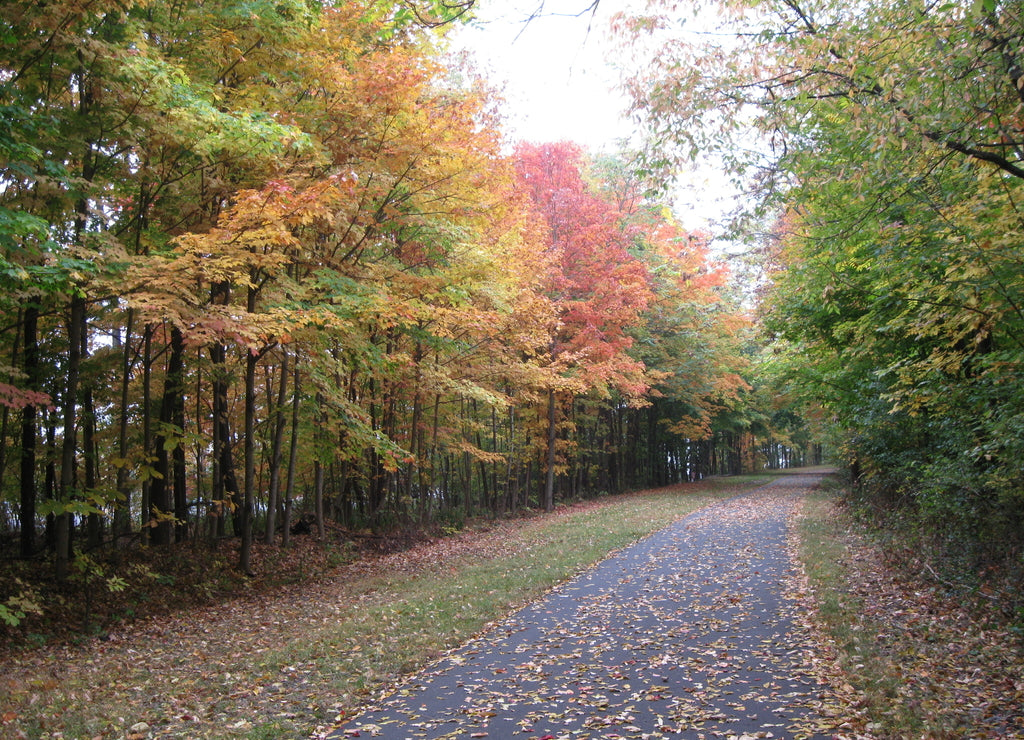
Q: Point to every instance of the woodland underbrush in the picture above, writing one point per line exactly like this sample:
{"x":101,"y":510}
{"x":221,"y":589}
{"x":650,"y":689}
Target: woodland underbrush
{"x":111,"y":587}
{"x":974,"y":555}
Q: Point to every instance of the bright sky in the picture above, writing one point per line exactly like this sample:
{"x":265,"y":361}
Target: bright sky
{"x":557,"y":83}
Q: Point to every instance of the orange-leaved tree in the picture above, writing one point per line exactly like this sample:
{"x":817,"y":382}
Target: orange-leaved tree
{"x":598,"y":288}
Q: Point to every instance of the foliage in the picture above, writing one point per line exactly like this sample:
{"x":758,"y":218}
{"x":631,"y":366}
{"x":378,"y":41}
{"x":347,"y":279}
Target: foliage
{"x":883,"y":142}
{"x":18,"y":606}
{"x":270,"y":265}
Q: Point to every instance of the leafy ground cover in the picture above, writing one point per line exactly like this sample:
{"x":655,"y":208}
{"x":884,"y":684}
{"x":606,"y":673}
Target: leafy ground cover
{"x":276,"y":664}
{"x":692,"y":632}
{"x":927,"y":660}
{"x":281,"y":662}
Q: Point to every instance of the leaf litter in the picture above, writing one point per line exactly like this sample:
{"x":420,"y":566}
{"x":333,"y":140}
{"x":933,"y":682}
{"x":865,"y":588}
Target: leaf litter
{"x":696,"y":631}
{"x":212,"y":672}
{"x":218,"y":670}
{"x":927,"y":662}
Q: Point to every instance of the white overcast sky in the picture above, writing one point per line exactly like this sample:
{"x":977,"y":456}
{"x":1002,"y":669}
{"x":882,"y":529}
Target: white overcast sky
{"x":559,"y":85}
{"x":556,"y":80}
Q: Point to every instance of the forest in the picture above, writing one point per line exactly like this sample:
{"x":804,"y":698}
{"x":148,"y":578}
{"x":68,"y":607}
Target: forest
{"x":270,"y":263}
{"x":266,"y":264}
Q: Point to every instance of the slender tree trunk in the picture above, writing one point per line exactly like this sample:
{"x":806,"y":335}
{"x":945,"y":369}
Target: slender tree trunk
{"x":435,"y":484}
{"x":318,"y":469}
{"x":205,"y":515}
{"x":147,"y":427}
{"x":169,"y":486}
{"x":30,"y":330}
{"x":249,"y":446}
{"x":50,"y":478}
{"x":549,"y":482}
{"x":218,"y":498}
{"x":249,"y":462}
{"x":277,"y":452}
{"x":614,"y":449}
{"x":122,"y":508}
{"x":485,"y":495}
{"x":70,"y":442}
{"x":414,"y":426}
{"x":94,"y":523}
{"x":499,"y":502}
{"x":76,"y":338}
{"x":293,"y":448}
{"x":225,"y":484}
{"x":225,"y":481}
{"x":178,"y":466}
{"x":159,"y":491}
{"x":511,"y":463}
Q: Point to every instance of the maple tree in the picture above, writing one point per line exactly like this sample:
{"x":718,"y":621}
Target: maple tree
{"x":597,"y":288}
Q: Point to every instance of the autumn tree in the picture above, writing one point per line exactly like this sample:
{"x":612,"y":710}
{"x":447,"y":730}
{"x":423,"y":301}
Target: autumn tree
{"x":885,"y":143}
{"x":598,"y":288}
{"x":269,"y":258}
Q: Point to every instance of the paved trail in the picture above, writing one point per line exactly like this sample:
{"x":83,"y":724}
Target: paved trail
{"x":688,"y":634}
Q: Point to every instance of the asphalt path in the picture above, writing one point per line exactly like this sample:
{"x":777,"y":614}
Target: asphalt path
{"x":693,"y":632}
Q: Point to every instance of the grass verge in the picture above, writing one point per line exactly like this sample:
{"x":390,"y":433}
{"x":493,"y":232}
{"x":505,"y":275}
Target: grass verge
{"x":827,"y":559}
{"x":278,"y":665}
{"x":924,"y":664}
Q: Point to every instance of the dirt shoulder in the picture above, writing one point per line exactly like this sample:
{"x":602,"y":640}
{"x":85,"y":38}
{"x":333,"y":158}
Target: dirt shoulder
{"x":925,"y":661}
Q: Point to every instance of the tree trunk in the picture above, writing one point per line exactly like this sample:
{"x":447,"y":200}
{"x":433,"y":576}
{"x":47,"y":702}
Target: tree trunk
{"x":147,"y":428}
{"x":30,"y":329}
{"x":176,"y":369}
{"x":225,"y":484}
{"x":277,"y":452}
{"x":318,"y":498}
{"x":293,"y":449}
{"x":252,"y":359}
{"x":94,"y":524}
{"x":318,"y":471}
{"x":511,"y":463}
{"x":169,"y":452}
{"x":62,"y":529}
{"x":122,"y":508}
{"x":249,"y":463}
{"x":549,"y":482}
{"x":50,"y":478}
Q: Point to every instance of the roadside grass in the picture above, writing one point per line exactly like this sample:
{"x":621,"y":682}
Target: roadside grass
{"x":841,"y":610}
{"x":283,"y":664}
{"x":925,"y":662}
